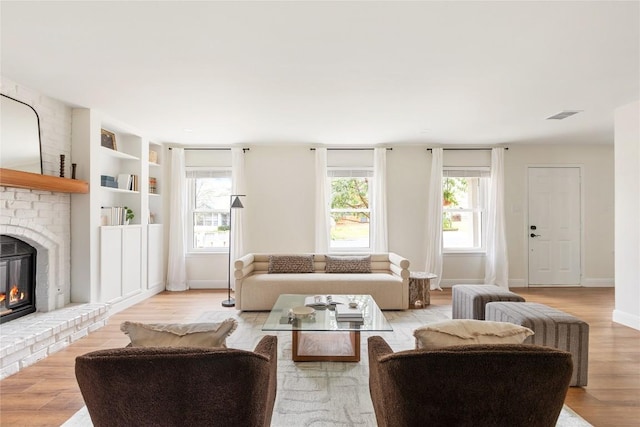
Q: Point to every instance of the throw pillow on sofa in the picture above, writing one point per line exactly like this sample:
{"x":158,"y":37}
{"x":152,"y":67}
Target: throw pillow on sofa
{"x":291,"y":264}
{"x":179,"y":334}
{"x":469,"y":331}
{"x":347,"y":264}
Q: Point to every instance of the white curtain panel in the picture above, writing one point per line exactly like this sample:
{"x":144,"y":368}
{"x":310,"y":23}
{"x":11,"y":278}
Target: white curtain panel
{"x":379,"y":229}
{"x":322,"y":204}
{"x":434,"y":219}
{"x":237,"y":217}
{"x":496,"y":260}
{"x":176,"y":270}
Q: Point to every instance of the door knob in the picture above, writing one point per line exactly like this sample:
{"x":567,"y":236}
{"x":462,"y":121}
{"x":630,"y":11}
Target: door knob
{"x":533,"y":235}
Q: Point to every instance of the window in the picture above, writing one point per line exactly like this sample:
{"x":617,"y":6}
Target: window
{"x":350,"y":211}
{"x":208,"y":217}
{"x":464,"y":195}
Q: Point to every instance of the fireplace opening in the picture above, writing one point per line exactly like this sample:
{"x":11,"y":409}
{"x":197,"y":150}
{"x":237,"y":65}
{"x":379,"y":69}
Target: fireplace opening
{"x":17,"y":278}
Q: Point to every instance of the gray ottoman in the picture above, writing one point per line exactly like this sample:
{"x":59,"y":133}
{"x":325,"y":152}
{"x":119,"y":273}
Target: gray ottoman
{"x":468,"y":301}
{"x":553,"y":328}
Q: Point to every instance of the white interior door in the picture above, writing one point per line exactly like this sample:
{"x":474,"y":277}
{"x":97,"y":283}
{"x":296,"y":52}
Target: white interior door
{"x":554,"y":226}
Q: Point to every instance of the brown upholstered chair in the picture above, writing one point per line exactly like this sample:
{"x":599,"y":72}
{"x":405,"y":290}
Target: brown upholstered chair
{"x":180,"y":386}
{"x":471,"y":385}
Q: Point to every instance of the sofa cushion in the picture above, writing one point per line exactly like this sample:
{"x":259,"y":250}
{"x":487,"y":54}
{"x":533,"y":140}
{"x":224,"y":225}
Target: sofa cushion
{"x":179,"y":334}
{"x":469,"y":331}
{"x":348,"y":264}
{"x":291,"y":264}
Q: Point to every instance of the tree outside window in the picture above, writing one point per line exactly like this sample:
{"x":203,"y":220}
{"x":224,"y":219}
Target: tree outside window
{"x":350,"y":212}
{"x":463,"y":212}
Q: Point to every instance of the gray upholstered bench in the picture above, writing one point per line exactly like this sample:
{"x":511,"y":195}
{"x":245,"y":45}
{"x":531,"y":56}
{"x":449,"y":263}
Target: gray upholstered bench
{"x":468,"y":301}
{"x":552,"y":327}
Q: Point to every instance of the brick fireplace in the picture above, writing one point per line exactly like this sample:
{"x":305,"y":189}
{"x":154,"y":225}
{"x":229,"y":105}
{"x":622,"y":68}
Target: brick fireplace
{"x":49,"y":294}
{"x":17,"y":278}
{"x":42,"y":219}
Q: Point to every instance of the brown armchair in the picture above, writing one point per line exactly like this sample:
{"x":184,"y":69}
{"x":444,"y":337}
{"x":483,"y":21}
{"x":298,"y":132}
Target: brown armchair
{"x":180,"y":386}
{"x":472,"y":385}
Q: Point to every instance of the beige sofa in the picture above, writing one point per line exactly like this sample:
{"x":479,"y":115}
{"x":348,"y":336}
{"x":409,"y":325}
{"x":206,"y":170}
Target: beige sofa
{"x":258,"y":290}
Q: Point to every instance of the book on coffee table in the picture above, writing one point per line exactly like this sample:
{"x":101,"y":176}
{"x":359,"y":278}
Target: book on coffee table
{"x":345,"y":313}
{"x":323,"y":301}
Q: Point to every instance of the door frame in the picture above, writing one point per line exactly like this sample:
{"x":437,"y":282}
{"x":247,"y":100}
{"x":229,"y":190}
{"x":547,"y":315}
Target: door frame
{"x":525,"y":230}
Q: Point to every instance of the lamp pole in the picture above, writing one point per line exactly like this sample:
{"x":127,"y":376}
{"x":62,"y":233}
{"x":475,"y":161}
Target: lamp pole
{"x":234,"y":203}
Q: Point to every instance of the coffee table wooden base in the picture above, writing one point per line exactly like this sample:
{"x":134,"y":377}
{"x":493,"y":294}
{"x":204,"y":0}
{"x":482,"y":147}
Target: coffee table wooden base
{"x":325,"y":346}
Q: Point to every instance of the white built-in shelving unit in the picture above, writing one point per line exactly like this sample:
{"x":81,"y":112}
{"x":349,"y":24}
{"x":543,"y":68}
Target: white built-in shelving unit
{"x":124,"y":264}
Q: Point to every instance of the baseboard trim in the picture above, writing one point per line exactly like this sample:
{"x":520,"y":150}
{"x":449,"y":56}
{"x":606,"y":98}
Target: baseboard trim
{"x":626,"y":319}
{"x":207,"y":284}
{"x":135,"y":299}
{"x":521,"y":283}
{"x":517,"y":283}
{"x":447,"y":283}
{"x":598,"y":283}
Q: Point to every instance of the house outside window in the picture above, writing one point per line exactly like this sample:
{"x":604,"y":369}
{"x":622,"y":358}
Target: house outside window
{"x":350,"y":210}
{"x":464,"y":194}
{"x":209,"y":191}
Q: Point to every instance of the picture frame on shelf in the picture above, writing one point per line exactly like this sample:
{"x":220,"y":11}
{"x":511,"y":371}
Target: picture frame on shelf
{"x":108,"y":139}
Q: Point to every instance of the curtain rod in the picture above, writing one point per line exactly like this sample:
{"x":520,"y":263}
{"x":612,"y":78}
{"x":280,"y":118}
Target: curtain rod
{"x":467,"y":149}
{"x":244,"y":150}
{"x":350,"y":149}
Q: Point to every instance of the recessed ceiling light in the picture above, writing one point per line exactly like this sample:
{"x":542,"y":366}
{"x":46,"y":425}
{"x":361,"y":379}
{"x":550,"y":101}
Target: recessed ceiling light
{"x":563,"y":114}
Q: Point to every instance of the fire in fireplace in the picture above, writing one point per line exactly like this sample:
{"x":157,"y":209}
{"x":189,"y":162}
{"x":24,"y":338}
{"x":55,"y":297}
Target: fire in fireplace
{"x":17,"y":278}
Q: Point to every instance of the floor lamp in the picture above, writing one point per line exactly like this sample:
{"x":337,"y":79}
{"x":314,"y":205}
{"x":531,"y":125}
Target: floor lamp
{"x":235,"y":204}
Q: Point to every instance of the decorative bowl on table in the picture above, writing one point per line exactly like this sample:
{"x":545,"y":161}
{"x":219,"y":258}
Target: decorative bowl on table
{"x":302,"y":312}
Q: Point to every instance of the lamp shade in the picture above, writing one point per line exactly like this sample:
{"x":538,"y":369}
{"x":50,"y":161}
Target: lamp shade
{"x":236,"y":203}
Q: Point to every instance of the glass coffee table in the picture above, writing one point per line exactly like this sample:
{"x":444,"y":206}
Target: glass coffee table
{"x":319,"y":336}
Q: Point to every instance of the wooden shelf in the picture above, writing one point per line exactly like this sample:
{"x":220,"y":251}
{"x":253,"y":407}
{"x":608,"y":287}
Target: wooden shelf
{"x":34,"y":181}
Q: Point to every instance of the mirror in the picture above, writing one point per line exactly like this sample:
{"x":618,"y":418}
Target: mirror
{"x":19,"y":136}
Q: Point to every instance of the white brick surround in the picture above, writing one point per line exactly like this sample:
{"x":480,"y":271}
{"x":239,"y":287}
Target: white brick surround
{"x":49,"y":296}
{"x":43,"y":220}
{"x":26,"y":340}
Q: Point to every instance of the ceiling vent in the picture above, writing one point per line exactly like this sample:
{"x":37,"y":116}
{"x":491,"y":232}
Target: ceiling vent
{"x":563,"y":114}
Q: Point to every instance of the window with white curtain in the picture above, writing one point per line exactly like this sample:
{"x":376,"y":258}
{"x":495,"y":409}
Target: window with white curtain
{"x":350,"y":209}
{"x":209,"y":192}
{"x":464,"y":207}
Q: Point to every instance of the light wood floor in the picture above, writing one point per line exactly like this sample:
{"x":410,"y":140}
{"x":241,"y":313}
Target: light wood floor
{"x":46,"y":394}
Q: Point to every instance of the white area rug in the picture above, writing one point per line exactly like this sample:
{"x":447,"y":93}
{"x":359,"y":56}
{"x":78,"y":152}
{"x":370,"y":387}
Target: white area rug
{"x":327,"y":393}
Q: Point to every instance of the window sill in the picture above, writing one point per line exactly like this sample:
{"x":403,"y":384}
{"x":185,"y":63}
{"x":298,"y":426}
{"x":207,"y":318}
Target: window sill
{"x":343,"y":251}
{"x":195,"y":254}
{"x":465,"y":253}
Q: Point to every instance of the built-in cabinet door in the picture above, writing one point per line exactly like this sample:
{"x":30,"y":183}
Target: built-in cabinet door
{"x":110,"y":263}
{"x":120,"y":262}
{"x":155,"y":273}
{"x":131,"y":260}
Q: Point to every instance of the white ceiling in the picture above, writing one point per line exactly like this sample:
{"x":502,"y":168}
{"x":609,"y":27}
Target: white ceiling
{"x":468,"y":73}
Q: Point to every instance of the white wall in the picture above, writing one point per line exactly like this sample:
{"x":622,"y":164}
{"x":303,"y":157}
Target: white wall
{"x":279,"y":207}
{"x":596,"y":162}
{"x":627,"y":227}
{"x":280,"y":202}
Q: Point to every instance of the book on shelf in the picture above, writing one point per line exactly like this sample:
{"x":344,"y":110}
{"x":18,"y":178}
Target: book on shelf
{"x":128,"y":182}
{"x":113,"y":215}
{"x":108,"y":181}
{"x":323,"y":301}
{"x":124,"y":181}
{"x":153,"y":189}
